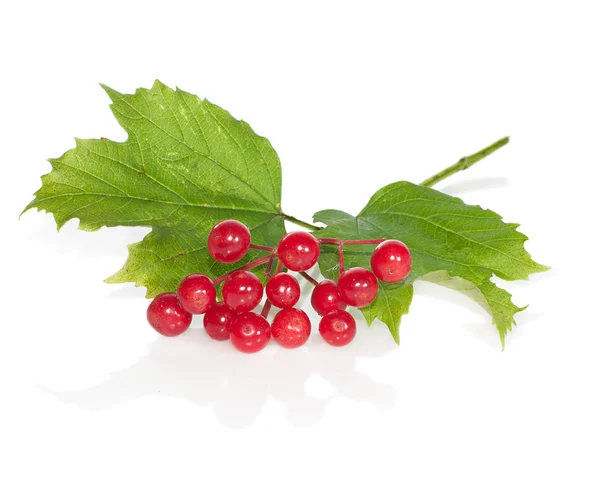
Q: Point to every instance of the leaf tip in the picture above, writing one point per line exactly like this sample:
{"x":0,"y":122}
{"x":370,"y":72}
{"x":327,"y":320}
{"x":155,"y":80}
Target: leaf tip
{"x":112,"y":93}
{"x":31,"y":205}
{"x":111,"y":280}
{"x":502,"y":335}
{"x":117,"y":278}
{"x":158,"y":84}
{"x":544,"y":268}
{"x":519,"y":309}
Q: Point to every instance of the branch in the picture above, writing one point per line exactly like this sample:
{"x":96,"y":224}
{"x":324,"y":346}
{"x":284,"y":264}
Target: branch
{"x":464,"y":163}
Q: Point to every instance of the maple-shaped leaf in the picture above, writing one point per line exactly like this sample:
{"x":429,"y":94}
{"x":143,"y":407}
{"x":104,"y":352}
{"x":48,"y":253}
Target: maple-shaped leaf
{"x":186,"y":165}
{"x":453,"y":244}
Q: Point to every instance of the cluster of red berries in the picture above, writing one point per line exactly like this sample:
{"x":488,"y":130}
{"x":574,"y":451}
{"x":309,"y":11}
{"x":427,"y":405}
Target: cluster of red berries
{"x":232,"y":318}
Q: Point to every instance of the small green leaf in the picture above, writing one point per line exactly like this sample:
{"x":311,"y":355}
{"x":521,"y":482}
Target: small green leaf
{"x":452,"y":243}
{"x":391,"y":303}
{"x":186,"y":165}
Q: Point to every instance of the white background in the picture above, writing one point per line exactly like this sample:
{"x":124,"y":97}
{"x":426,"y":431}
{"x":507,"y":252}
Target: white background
{"x":352,"y":96}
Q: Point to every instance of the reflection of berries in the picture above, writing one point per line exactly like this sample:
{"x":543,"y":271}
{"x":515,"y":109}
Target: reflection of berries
{"x":196,"y":293}
{"x":391,"y":261}
{"x":298,"y":251}
{"x":167,"y":316}
{"x":358,"y":287}
{"x":283,"y":290}
{"x":326,"y":297}
{"x":291,"y":328}
{"x":337,"y":328}
{"x":242,"y":291}
{"x":250,"y":332}
{"x":228,"y":241}
{"x":217,"y":321}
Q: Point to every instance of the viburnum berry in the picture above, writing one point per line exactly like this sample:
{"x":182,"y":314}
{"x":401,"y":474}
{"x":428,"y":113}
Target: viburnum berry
{"x":217,"y":321}
{"x":283,"y":290}
{"x":298,"y":251}
{"x":291,"y":328}
{"x":228,"y":241}
{"x":242,"y":291}
{"x":249,"y":332}
{"x":358,"y":287}
{"x":326,"y":297}
{"x":391,"y":261}
{"x":337,"y":328}
{"x":167,"y":316}
{"x":196,"y":293}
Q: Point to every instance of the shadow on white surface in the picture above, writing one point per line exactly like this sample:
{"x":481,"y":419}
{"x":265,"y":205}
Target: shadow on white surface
{"x":102,"y":243}
{"x":473,"y":185}
{"x":483,"y":330}
{"x":126,"y":292}
{"x":205,"y":372}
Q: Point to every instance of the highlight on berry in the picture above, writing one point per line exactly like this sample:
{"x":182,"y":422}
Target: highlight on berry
{"x":232,"y":317}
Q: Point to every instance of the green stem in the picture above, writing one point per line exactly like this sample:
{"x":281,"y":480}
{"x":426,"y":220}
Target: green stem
{"x":299,"y":222}
{"x":464,"y":163}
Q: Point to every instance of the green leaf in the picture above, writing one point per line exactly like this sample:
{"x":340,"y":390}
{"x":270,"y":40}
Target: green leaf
{"x":453,"y":244}
{"x":185,"y":165}
{"x":392,"y":301}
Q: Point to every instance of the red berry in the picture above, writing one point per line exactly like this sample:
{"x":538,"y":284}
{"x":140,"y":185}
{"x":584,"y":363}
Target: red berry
{"x":358,"y":287}
{"x":250,"y":332}
{"x":228,"y":241}
{"x":326,"y":297}
{"x":196,"y":293}
{"x":391,"y":261}
{"x":291,"y":328}
{"x":283,"y":290}
{"x":217,"y":321}
{"x":298,"y":251}
{"x":167,"y":316}
{"x":337,"y":328}
{"x":242,"y":291}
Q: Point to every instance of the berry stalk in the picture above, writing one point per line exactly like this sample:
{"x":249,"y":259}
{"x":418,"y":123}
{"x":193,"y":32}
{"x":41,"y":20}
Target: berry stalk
{"x":341,"y":256}
{"x":267,"y":306}
{"x":269,"y":266}
{"x":261,"y":247}
{"x":309,"y":278}
{"x":248,"y":266}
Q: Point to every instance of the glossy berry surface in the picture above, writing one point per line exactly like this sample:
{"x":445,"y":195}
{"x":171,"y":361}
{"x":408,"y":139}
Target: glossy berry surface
{"x":291,"y":328}
{"x":391,"y":261}
{"x":326,"y":297}
{"x":196,"y":293}
{"x":358,"y":287}
{"x":283,"y":290}
{"x":217,"y":321}
{"x":228,"y":241}
{"x":167,"y":316}
{"x":242,"y":291}
{"x":250,"y":332}
{"x":298,"y":251}
{"x":337,"y":328}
